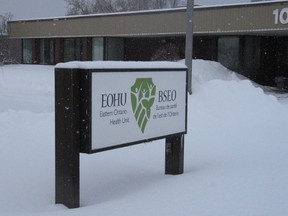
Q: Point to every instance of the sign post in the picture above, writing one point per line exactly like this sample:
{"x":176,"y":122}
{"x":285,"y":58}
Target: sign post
{"x":174,"y":160}
{"x":136,"y":102}
{"x":67,"y":137}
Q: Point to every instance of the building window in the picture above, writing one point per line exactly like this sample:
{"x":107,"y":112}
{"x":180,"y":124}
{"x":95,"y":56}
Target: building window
{"x":115,"y":49}
{"x":72,"y":49}
{"x":251,"y":55}
{"x":46,"y":51}
{"x":98,"y":49}
{"x":228,"y":52}
{"x":27,"y":51}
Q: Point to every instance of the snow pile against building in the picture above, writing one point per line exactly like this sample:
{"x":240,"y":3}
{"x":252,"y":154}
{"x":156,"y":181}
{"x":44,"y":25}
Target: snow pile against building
{"x":235,"y":153}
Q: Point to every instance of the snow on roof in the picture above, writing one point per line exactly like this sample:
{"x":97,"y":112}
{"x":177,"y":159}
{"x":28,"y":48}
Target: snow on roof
{"x":153,"y":11}
{"x":243,"y":4}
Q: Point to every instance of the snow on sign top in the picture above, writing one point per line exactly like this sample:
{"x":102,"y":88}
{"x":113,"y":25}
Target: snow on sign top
{"x":120,"y":64}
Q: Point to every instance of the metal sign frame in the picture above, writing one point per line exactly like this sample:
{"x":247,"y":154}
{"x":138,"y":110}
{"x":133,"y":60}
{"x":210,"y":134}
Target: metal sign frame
{"x":73,"y":132}
{"x":87,"y":112}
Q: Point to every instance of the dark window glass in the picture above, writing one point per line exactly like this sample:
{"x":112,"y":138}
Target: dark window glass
{"x":114,"y":49}
{"x":47,"y":51}
{"x":98,"y":49}
{"x":228,"y":52}
{"x":72,"y":49}
{"x":251,"y":55}
{"x":27,"y":51}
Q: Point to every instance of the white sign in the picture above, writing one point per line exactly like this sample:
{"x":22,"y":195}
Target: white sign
{"x":128,"y":107}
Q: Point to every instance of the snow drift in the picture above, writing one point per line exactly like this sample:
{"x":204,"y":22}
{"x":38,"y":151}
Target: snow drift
{"x":235,"y":153}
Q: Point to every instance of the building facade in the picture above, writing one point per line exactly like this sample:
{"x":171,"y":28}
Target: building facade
{"x":10,"y":51}
{"x":251,"y":38}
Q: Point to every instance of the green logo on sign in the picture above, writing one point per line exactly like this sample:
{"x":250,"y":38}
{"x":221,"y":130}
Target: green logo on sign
{"x":142,"y":98}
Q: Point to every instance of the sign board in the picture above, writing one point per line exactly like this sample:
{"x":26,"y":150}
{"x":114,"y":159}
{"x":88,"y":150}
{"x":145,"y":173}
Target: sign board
{"x":136,"y":106}
{"x":117,"y":104}
{"x":105,"y":105}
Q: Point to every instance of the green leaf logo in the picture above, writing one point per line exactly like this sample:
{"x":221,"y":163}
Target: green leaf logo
{"x":142,"y":98}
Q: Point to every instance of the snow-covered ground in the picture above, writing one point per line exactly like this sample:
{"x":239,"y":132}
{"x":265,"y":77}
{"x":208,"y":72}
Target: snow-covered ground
{"x":235,"y":153}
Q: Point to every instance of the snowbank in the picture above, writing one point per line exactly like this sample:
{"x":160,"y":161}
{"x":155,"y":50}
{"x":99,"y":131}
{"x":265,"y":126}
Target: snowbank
{"x":204,"y":71}
{"x":27,"y":87}
{"x":235,"y":153}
